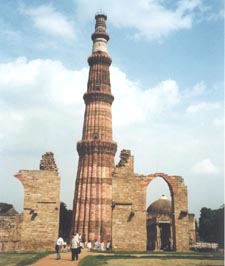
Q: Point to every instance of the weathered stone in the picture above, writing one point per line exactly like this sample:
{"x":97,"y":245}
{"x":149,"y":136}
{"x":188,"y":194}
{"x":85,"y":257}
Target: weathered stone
{"x":129,"y":211}
{"x":37,"y":227}
{"x":93,"y":189}
{"x":48,"y":163}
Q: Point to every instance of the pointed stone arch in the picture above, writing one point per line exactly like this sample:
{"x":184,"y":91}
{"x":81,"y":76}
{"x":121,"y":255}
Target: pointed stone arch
{"x":129,"y":207}
{"x":178,"y":191}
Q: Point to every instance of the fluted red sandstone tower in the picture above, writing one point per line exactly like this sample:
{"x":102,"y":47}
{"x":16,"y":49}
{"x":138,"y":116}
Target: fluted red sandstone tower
{"x":92,"y":212}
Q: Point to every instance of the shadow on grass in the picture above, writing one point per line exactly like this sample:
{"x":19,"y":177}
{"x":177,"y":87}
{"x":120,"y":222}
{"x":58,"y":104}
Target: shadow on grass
{"x":21,"y":258}
{"x":100,"y":260}
{"x":33,"y":259}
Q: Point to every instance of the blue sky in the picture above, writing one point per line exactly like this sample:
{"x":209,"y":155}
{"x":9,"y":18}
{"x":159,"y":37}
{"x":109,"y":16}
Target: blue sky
{"x":167,"y":78}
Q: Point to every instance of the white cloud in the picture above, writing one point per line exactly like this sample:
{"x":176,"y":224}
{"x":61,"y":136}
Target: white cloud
{"x":218,"y":123}
{"x":161,"y":97}
{"x":202,"y":107}
{"x":50,"y":21}
{"x":141,"y":104}
{"x":189,"y":5}
{"x":36,"y":96}
{"x":41,"y":109}
{"x":40,"y":82}
{"x":198,"y":88}
{"x":151,"y":19}
{"x":205,"y":167}
{"x":216,"y":16}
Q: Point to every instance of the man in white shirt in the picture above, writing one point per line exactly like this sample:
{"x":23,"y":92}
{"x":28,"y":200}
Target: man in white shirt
{"x":58,"y":246}
{"x":75,"y":246}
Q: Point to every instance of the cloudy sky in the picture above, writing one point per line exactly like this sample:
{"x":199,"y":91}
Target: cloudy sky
{"x":166,"y":76}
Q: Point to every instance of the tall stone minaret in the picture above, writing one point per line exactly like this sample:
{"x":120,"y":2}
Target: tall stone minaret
{"x":92,"y":212}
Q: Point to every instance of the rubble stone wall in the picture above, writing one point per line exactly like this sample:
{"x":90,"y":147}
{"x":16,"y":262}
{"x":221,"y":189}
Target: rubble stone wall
{"x":10,"y":232}
{"x":37,"y":227}
{"x":129,"y":207}
{"x":192,"y":229}
{"x":41,"y":209}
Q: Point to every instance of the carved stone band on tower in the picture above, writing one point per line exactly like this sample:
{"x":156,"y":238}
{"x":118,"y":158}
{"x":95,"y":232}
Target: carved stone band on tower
{"x":92,"y":212}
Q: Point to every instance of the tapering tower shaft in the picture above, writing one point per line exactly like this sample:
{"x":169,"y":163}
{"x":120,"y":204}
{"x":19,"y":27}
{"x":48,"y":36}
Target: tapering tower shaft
{"x":92,"y":213}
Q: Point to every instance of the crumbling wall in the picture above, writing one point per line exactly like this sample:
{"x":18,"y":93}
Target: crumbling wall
{"x":192,"y":229}
{"x":129,"y":207}
{"x":10,"y":232}
{"x":47,"y":162}
{"x":37,"y":227}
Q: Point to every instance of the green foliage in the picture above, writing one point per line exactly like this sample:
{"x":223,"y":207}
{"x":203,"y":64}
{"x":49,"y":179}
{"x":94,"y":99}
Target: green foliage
{"x":211,"y":225}
{"x":21,"y":258}
{"x":176,"y":258}
{"x":65,"y":221}
{"x":93,"y":261}
{"x":35,"y":258}
{"x":4,"y":207}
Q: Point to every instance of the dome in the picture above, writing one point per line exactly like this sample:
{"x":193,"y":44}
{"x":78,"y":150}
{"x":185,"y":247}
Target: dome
{"x":160,"y":206}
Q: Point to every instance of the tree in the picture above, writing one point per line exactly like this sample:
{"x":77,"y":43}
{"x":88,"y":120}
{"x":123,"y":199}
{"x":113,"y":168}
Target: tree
{"x":211,"y":225}
{"x":4,"y":207}
{"x":219,"y":225}
{"x":65,"y":222}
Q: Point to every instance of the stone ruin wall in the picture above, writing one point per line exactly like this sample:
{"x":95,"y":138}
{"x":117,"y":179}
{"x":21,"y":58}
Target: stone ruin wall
{"x":128,"y":214}
{"x":10,"y":232}
{"x":129,"y":207}
{"x":37,"y":227}
{"x":192,"y":229}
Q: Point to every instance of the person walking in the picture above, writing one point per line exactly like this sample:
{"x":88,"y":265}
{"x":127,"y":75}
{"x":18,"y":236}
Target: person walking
{"x":58,"y":246}
{"x":82,"y":241}
{"x":75,"y":246}
{"x":89,"y":245}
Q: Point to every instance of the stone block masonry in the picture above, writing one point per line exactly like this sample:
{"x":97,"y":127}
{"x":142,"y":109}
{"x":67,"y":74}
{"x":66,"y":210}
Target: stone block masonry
{"x":129,"y":207}
{"x":37,"y":227}
{"x":93,"y":188}
{"x":10,"y":232}
{"x":48,"y":162}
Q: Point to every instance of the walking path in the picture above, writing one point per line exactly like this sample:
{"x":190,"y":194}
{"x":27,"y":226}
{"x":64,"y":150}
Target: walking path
{"x":65,"y":260}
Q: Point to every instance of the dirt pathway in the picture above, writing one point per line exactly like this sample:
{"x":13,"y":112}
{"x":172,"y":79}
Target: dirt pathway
{"x":65,"y":260}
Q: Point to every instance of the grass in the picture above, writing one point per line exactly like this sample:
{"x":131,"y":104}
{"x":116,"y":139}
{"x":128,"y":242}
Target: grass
{"x":158,"y":259}
{"x":21,"y":258}
{"x":124,"y":259}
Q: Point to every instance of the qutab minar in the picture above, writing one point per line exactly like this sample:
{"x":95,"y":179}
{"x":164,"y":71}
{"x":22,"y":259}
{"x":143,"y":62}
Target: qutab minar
{"x":92,"y":211}
{"x":109,"y":201}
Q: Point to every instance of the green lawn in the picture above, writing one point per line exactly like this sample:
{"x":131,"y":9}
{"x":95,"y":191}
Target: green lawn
{"x":20,"y":258}
{"x":124,"y":259}
{"x":163,"y":259}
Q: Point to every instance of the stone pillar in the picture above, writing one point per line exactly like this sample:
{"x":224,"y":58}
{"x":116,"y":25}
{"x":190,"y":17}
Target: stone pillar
{"x":158,"y":237}
{"x":92,"y":212}
{"x":180,"y":211}
{"x":171,"y":237}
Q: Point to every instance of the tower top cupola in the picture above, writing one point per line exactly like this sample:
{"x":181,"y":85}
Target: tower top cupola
{"x":100,"y":37}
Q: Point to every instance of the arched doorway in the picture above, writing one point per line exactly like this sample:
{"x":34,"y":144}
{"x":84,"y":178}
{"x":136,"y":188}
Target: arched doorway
{"x":129,"y":199}
{"x":159,"y":224}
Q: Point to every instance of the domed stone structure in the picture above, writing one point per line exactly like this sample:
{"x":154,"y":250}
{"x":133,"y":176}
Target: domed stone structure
{"x":159,"y":225}
{"x":162,"y":206}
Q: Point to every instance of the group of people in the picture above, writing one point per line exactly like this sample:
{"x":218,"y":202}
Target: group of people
{"x":77,"y":243}
{"x":101,"y":246}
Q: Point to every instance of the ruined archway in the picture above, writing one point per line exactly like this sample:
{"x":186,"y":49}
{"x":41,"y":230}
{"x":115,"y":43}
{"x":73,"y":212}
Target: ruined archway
{"x":179,"y":219}
{"x":159,"y":219}
{"x":129,"y":208}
